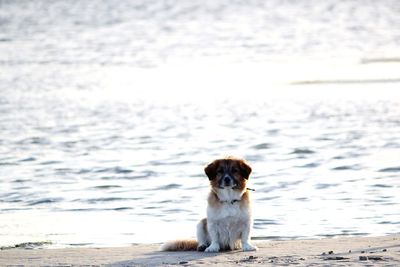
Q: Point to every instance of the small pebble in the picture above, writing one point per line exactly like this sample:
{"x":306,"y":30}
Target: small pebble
{"x":183,"y":262}
{"x":363,"y":258}
{"x":350,"y":251}
{"x":363,"y":251}
{"x":330,"y":252}
{"x":384,"y":250}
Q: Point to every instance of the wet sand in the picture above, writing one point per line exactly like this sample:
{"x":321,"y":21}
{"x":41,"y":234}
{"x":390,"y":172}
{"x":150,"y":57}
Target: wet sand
{"x":353,"y":251}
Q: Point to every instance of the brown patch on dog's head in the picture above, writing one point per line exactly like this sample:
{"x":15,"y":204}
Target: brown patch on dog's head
{"x":228,"y":172}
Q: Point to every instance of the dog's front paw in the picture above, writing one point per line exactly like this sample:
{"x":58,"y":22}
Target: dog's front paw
{"x":201,"y":247}
{"x":249,"y":247}
{"x":212,"y":248}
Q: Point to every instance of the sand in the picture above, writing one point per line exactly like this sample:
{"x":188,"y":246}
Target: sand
{"x":352,"y":251}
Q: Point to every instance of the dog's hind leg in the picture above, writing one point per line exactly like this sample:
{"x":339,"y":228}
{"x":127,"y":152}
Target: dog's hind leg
{"x":202,"y":235}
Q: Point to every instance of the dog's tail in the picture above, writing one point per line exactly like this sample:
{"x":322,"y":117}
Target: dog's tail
{"x":180,"y":245}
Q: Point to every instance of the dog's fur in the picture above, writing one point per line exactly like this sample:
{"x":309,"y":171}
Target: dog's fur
{"x":229,"y":220}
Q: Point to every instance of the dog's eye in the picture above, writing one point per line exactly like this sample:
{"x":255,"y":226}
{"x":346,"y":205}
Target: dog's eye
{"x":235,"y":170}
{"x":220,"y":171}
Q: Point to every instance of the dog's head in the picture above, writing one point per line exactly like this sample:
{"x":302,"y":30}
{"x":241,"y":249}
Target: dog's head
{"x":228,"y":173}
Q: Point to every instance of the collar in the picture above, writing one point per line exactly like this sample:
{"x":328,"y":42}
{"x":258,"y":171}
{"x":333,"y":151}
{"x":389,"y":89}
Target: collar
{"x":234,"y":200}
{"x":231,"y":202}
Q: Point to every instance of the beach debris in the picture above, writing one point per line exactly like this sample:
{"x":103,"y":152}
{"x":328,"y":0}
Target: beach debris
{"x":183,"y":262}
{"x":249,"y":258}
{"x":335,"y":258}
{"x":384,"y":250}
{"x":28,"y":245}
{"x":374,"y":258}
{"x":330,"y":253}
{"x":32,"y":245}
{"x":284,"y":260}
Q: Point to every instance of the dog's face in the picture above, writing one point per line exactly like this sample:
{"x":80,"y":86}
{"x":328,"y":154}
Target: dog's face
{"x":228,"y":173}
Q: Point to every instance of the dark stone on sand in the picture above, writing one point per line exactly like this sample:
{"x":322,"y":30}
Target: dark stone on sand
{"x":330,"y":252}
{"x":375,"y":258}
{"x":384,"y":250}
{"x":335,"y":258}
{"x":248,"y":259}
{"x":183,"y":262}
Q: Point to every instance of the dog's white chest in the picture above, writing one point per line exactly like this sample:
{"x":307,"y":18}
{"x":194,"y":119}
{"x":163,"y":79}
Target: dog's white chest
{"x":227,"y":212}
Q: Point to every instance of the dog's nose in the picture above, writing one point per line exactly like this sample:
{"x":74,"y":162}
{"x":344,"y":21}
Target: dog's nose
{"x":227,"y":179}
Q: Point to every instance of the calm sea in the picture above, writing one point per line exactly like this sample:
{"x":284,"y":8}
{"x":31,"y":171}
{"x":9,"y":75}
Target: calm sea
{"x":109,"y":111}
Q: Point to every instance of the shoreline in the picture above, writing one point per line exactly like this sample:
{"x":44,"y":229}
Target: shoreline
{"x":351,"y":251}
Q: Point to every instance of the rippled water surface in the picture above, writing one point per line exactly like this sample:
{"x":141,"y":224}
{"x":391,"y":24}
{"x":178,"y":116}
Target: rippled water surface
{"x":109,"y":113}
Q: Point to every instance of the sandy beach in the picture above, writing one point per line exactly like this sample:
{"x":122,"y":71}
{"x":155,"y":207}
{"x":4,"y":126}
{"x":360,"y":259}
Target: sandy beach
{"x":352,"y":251}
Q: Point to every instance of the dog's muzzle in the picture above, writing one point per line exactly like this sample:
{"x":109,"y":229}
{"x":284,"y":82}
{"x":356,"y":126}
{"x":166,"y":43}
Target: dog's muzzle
{"x":227,"y":181}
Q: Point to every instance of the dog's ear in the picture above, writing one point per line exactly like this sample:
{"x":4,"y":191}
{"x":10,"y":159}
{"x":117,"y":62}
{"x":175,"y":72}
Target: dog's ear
{"x":211,"y":169}
{"x":245,"y":169}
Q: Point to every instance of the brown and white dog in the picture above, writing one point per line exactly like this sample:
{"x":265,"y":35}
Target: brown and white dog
{"x":229,"y":218}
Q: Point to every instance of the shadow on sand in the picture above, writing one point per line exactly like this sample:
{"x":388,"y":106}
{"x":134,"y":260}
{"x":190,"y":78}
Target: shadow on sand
{"x":225,"y":258}
{"x":162,"y":258}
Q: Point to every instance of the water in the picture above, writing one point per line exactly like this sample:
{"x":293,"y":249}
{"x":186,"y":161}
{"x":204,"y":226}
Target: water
{"x":109,"y":112}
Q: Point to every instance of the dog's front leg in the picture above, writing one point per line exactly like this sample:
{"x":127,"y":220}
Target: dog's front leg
{"x":245,"y":238}
{"x":212,"y":231}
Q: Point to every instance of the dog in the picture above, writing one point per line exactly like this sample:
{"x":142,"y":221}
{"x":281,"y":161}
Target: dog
{"x":229,"y":218}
